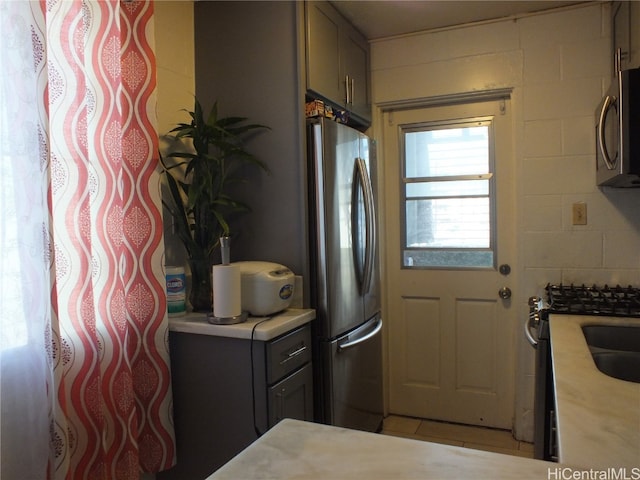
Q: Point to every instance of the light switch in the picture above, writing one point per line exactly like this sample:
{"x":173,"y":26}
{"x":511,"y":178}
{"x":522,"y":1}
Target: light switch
{"x":580,"y":213}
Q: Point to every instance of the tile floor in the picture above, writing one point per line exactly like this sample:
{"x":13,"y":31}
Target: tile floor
{"x":479,"y":438}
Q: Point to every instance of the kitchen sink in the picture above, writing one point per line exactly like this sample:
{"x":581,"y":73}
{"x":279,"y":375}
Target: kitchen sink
{"x":613,"y":337}
{"x":615,"y":350}
{"x":621,"y":365}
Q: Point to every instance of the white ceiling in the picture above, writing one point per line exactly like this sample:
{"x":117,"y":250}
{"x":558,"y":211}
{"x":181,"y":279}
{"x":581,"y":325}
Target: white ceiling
{"x":384,"y":18}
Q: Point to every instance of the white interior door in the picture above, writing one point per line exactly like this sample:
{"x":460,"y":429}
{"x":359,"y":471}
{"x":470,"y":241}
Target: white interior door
{"x":448,"y":232}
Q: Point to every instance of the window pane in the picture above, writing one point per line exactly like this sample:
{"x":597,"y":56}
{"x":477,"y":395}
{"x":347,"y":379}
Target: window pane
{"x":448,"y":189}
{"x":449,"y":222}
{"x":448,"y":206}
{"x":448,"y":258}
{"x":447,"y":152}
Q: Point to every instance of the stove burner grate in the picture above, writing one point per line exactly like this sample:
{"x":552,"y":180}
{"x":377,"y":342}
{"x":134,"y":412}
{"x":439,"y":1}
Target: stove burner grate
{"x":594,"y":300}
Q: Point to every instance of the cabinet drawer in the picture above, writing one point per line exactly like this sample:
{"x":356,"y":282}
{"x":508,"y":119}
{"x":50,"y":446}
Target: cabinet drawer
{"x":287,"y":353}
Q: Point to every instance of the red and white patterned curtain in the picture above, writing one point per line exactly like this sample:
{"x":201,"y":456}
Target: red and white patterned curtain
{"x":90,"y":322}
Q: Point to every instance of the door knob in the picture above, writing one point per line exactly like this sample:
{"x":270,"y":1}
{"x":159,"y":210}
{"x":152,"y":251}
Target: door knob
{"x":505,"y":269}
{"x":505,"y":292}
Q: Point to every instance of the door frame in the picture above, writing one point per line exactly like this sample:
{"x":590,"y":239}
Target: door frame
{"x":380,"y":109}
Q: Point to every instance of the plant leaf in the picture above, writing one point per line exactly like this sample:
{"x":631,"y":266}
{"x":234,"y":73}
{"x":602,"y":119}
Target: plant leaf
{"x":213,"y":161}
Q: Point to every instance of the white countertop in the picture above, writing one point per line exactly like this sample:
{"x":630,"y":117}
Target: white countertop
{"x":598,"y":416}
{"x":266,"y":328}
{"x":301,"y":450}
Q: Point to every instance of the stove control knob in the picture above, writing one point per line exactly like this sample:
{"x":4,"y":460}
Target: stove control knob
{"x":505,"y":292}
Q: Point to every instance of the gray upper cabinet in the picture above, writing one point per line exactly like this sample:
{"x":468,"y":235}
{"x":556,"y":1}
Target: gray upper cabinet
{"x":323,"y":52}
{"x":634,"y":34}
{"x":626,"y":33}
{"x":355,"y":64}
{"x":337,"y":60}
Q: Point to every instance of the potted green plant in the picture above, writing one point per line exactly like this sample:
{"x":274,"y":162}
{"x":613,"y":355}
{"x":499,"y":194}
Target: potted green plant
{"x":200,"y":198}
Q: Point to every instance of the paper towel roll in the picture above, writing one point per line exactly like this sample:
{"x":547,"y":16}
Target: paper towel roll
{"x":226,"y":291}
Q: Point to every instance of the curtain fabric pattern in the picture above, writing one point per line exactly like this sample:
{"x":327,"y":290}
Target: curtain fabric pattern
{"x":108,"y":390}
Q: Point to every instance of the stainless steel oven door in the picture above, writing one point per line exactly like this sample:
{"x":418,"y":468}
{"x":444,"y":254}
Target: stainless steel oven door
{"x":544,"y":435}
{"x":537,"y":333}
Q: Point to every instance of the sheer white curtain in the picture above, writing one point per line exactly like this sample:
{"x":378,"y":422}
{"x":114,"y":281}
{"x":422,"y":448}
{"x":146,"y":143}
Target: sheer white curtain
{"x":24,"y":269}
{"x":85,"y":387}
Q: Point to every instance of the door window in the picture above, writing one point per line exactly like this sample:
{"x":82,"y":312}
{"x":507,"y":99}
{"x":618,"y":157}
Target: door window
{"x":448,"y":200}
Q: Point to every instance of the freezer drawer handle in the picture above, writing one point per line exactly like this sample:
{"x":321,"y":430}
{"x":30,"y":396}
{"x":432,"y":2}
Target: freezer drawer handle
{"x":292,"y":355}
{"x":373,"y":333}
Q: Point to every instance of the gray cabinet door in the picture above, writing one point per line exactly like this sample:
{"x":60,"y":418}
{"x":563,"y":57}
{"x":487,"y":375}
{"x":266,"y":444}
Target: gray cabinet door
{"x":337,"y":60}
{"x":634,"y":35}
{"x":322,"y":47}
{"x":292,"y":397}
{"x":354,"y":58}
{"x":621,"y":33}
{"x":626,"y":33}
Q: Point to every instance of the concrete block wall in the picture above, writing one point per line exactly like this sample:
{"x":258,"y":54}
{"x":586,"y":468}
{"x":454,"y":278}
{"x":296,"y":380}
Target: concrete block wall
{"x":559,"y":66}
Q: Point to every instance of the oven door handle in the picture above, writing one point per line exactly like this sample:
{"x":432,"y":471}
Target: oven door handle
{"x":533,"y":321}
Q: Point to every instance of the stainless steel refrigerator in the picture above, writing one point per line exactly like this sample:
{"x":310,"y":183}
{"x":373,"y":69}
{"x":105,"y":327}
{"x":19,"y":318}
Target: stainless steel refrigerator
{"x":344,"y":273}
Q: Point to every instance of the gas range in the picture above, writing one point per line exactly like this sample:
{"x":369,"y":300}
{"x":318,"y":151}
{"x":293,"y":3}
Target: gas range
{"x":572,"y":299}
{"x":567,"y":300}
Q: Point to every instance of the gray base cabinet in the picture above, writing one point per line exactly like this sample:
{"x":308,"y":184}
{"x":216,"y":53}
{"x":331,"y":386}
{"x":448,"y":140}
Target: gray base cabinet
{"x":290,"y":398}
{"x":228,"y":391}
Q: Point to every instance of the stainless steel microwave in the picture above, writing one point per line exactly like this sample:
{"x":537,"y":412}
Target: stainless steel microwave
{"x":618,"y":132}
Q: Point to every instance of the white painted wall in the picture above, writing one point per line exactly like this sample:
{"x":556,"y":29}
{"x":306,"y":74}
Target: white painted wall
{"x":174,"y":35}
{"x":558,"y":65}
{"x":174,"y":47}
{"x":173,"y":24}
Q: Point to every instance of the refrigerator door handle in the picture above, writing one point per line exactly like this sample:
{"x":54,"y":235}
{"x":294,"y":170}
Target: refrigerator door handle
{"x":362,"y":179}
{"x":370,"y":215}
{"x":360,"y":340}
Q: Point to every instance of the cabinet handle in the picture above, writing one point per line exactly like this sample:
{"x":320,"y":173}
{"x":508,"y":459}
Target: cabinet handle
{"x":353,"y":89}
{"x":280,"y":408}
{"x":293,"y":354}
{"x":347,"y":90}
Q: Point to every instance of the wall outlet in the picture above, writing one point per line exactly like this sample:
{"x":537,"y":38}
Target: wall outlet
{"x":580,"y":213}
